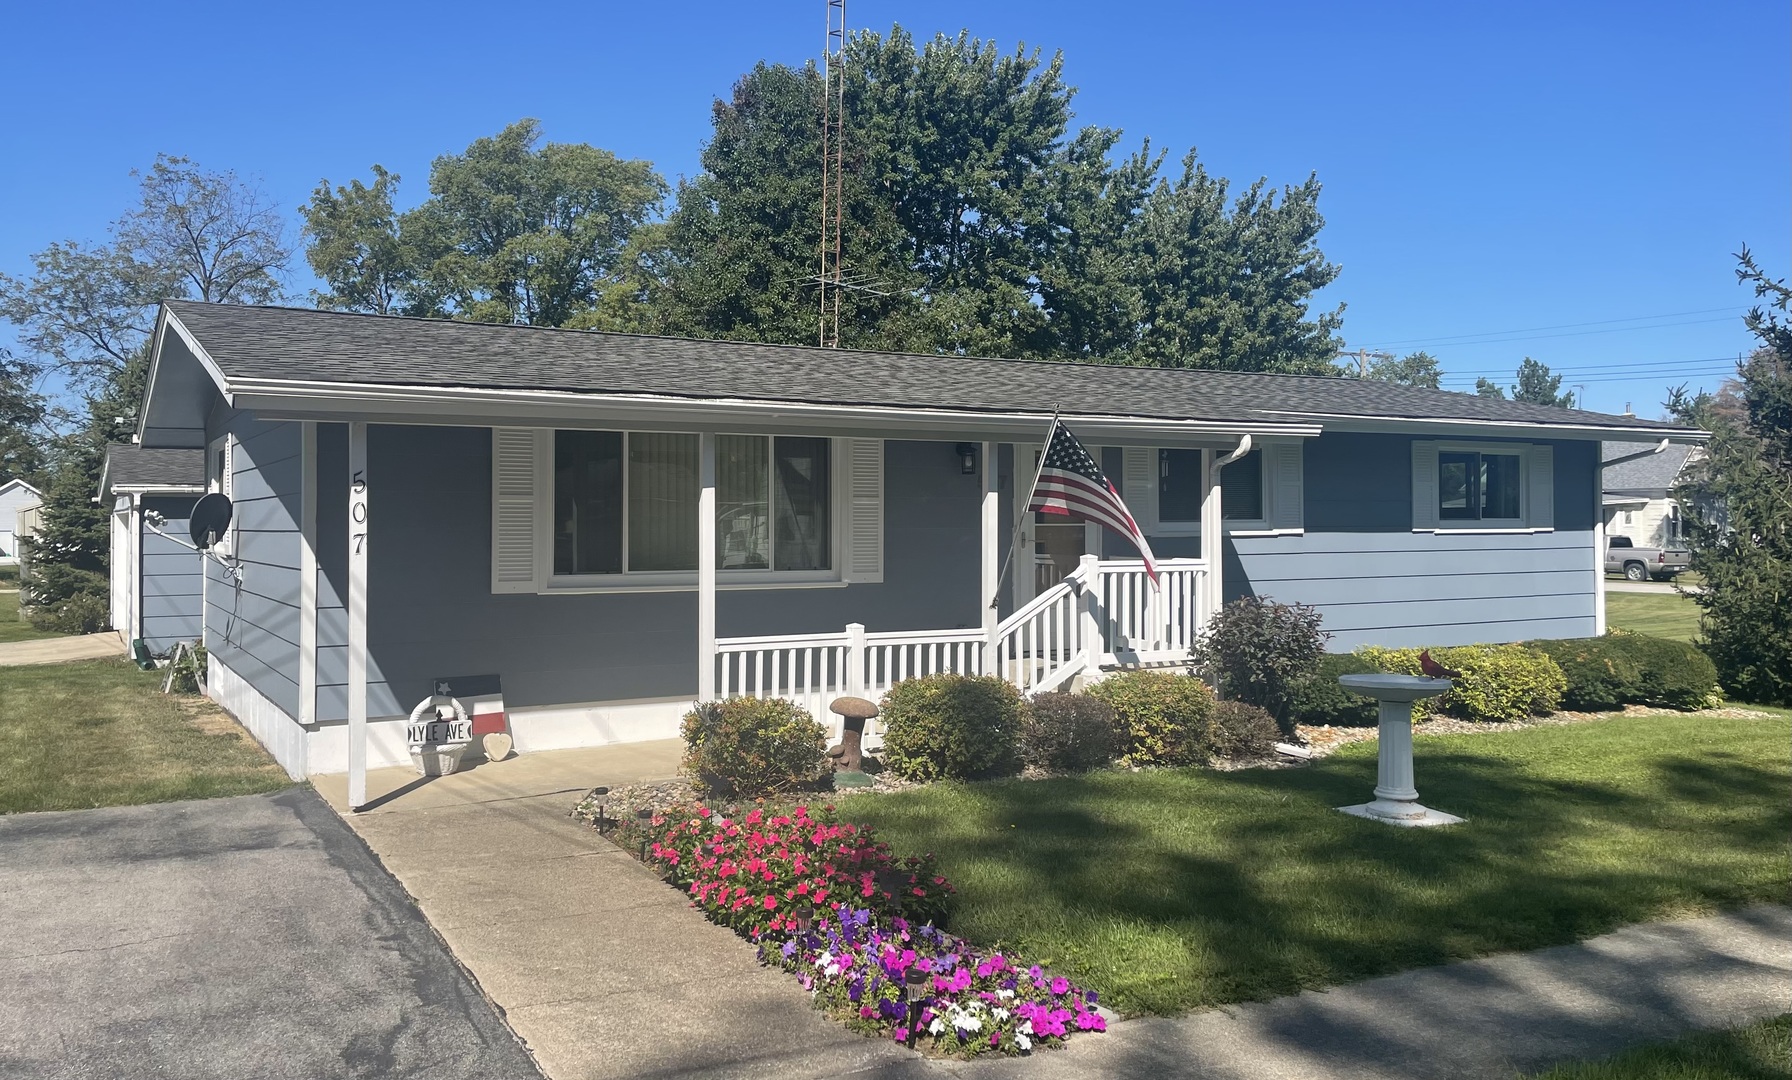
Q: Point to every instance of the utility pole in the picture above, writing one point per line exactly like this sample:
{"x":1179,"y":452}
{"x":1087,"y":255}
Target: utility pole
{"x":833,"y":162}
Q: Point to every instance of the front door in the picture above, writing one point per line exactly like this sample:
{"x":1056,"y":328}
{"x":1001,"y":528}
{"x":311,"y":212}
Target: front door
{"x":1050,"y":545}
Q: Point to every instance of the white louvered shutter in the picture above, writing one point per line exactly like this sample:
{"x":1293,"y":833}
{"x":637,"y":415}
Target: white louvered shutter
{"x":864,"y":517}
{"x":1138,"y":485}
{"x":1424,"y":485}
{"x":1285,"y":484}
{"x":514,"y":518}
{"x":1542,"y":495}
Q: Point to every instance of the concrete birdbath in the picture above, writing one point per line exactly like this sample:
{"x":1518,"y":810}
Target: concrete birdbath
{"x":1396,"y":800}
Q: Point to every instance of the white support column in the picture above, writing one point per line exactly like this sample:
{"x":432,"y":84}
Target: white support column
{"x":1598,"y":548}
{"x":706,"y":567}
{"x":991,"y":547}
{"x":357,"y":615}
{"x":1090,"y":616}
{"x":308,"y":572}
{"x":1212,"y":548}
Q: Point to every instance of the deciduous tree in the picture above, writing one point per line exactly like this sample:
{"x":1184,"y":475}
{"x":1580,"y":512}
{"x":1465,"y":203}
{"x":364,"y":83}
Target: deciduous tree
{"x":1537,"y":386}
{"x":1413,"y":369}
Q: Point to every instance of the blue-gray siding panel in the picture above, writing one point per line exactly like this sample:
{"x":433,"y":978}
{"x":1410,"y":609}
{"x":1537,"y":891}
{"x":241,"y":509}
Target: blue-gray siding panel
{"x":431,"y":610}
{"x":170,"y":579}
{"x":1375,"y":581}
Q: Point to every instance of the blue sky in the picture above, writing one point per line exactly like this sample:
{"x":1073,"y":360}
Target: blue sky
{"x":1565,"y":181}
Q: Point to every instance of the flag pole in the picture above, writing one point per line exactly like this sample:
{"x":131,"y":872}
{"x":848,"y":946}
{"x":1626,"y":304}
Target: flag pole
{"x":1020,"y":509}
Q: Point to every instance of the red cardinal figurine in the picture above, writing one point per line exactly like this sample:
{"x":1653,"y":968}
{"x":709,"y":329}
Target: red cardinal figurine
{"x":1435,"y":670}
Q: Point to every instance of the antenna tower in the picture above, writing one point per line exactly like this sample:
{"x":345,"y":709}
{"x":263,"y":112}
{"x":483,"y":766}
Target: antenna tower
{"x":833,"y":161}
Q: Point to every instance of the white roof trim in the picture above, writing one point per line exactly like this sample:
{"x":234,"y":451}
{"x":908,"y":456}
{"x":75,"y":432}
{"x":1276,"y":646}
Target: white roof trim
{"x":1513,"y":428}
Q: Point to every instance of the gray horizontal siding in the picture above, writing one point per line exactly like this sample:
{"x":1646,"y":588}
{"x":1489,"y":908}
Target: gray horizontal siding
{"x":170,"y":578}
{"x":254,"y":626}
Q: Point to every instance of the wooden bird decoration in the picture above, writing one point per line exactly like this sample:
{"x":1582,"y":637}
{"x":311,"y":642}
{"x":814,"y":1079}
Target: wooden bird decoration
{"x":1435,"y":670}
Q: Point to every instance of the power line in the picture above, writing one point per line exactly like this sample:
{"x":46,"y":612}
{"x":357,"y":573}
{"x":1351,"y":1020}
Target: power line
{"x":1559,"y":326}
{"x":1575,"y":369}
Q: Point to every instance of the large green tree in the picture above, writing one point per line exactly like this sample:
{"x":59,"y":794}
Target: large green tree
{"x":1539,"y":387}
{"x":23,"y":423}
{"x":976,"y":221}
{"x":512,"y":232}
{"x":1413,"y":369}
{"x":86,"y":312}
{"x":1738,"y":506}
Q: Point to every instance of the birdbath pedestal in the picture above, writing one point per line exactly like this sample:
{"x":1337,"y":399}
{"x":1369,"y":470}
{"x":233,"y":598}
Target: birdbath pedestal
{"x":1396,"y":800}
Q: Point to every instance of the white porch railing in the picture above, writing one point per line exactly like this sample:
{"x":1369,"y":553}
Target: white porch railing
{"x":1105,"y":614}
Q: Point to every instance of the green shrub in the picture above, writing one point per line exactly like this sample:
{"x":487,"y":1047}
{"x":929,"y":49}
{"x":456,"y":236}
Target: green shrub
{"x":952,"y":727}
{"x":1160,"y":718}
{"x":81,"y":613}
{"x":1067,"y":732}
{"x":1498,"y":682}
{"x":751,"y":746}
{"x":1633,"y":669}
{"x":1258,"y":651}
{"x":1322,"y":700}
{"x":1242,"y":731}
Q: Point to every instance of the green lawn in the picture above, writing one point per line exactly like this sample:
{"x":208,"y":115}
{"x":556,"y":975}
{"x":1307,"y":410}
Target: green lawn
{"x":100,"y":733}
{"x":1661,"y":614}
{"x":12,"y":628}
{"x":1759,"y":1051}
{"x":1167,"y":890}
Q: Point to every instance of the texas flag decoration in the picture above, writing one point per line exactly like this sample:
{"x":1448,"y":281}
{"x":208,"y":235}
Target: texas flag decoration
{"x":483,"y":697}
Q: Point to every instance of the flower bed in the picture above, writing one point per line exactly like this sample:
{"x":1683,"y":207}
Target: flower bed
{"x":826,"y":901}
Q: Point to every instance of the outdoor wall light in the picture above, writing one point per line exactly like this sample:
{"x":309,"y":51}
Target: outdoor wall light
{"x":967,"y":458}
{"x":914,"y":988}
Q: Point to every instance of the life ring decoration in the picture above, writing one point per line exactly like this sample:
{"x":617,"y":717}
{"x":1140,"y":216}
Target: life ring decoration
{"x":428,"y":727}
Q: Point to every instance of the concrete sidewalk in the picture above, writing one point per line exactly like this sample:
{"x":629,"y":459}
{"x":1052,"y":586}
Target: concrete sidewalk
{"x":1494,"y":1019}
{"x":61,"y":649}
{"x":601,"y":968}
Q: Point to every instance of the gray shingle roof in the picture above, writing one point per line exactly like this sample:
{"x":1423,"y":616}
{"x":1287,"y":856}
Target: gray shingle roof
{"x":1652,"y":473}
{"x":131,"y":466}
{"x":300,"y":344}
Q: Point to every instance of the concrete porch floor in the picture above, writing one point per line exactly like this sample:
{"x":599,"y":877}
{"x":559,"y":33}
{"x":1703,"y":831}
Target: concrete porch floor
{"x":602,"y":969}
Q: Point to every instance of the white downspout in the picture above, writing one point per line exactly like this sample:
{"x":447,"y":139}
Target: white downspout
{"x":1212,"y":543}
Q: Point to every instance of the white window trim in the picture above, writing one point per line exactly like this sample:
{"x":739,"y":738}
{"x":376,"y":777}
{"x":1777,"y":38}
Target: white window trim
{"x":1519,"y":526}
{"x":654,"y":581}
{"x":1241,"y":527}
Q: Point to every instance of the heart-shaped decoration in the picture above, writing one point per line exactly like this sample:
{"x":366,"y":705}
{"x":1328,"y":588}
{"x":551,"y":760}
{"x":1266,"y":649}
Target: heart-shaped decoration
{"x":497,"y":746}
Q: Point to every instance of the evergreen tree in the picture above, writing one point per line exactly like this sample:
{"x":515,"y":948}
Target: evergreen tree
{"x":23,"y":414}
{"x":1737,"y":503}
{"x":1537,"y":386}
{"x":1486,"y":387}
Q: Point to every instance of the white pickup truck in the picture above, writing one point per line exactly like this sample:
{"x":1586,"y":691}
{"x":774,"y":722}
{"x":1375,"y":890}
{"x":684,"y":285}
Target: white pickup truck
{"x":1622,"y":556}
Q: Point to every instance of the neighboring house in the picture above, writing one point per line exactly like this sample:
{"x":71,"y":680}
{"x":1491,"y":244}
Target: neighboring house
{"x":1637,"y":493}
{"x":15,"y":495}
{"x":617,"y":525}
{"x":157,"y":579}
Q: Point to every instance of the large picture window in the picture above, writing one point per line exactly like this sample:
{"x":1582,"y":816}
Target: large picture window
{"x":626,"y":503}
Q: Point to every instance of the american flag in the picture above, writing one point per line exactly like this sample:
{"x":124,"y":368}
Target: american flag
{"x":1072,"y":485}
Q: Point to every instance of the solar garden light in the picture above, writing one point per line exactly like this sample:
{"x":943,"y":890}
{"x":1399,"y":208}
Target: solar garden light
{"x":644,"y":817}
{"x":805,"y":914}
{"x":599,"y":793}
{"x":914,"y":988}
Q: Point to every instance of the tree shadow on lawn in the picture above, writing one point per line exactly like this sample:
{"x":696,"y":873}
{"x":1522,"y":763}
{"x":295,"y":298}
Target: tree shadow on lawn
{"x":1183,"y":888}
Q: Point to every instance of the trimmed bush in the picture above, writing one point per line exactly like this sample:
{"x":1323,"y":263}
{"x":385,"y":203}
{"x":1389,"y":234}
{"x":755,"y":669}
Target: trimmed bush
{"x":1499,"y":683}
{"x":1067,"y":732}
{"x":952,"y":727}
{"x":1321,"y":700}
{"x":1160,"y":718}
{"x":1243,"y":731}
{"x":751,"y":746}
{"x":1633,"y":669}
{"x":1261,"y":652}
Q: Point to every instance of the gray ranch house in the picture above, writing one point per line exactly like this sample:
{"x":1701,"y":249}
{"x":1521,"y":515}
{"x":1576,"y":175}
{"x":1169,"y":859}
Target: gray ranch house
{"x":616,"y":525}
{"x":158,"y":583}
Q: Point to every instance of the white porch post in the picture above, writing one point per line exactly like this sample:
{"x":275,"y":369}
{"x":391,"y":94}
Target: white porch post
{"x":991,"y":548}
{"x":1090,"y":615}
{"x":357,"y":615}
{"x":706,"y":567}
{"x":1211,"y":547}
{"x":308,"y":572}
{"x":1599,"y":549}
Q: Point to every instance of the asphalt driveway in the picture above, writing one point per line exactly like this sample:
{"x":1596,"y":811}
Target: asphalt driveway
{"x":246,"y":937}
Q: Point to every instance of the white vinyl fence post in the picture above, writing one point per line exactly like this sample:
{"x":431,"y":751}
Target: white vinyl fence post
{"x":1089,"y":613}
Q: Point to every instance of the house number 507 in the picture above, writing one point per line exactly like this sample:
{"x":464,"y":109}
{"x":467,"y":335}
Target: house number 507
{"x":357,"y":510}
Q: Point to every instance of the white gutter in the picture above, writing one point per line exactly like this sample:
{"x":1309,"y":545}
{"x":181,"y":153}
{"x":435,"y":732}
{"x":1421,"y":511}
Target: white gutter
{"x":1660,"y":447}
{"x":1512,"y":428}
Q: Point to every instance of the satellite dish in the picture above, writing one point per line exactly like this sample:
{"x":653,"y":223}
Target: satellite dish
{"x":211,"y":516}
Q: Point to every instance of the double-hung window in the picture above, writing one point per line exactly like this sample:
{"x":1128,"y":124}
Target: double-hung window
{"x":1483,"y":487}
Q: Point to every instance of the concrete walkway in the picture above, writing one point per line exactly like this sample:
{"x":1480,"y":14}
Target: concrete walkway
{"x":605,"y":972}
{"x":601,"y":968}
{"x":61,"y":649}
